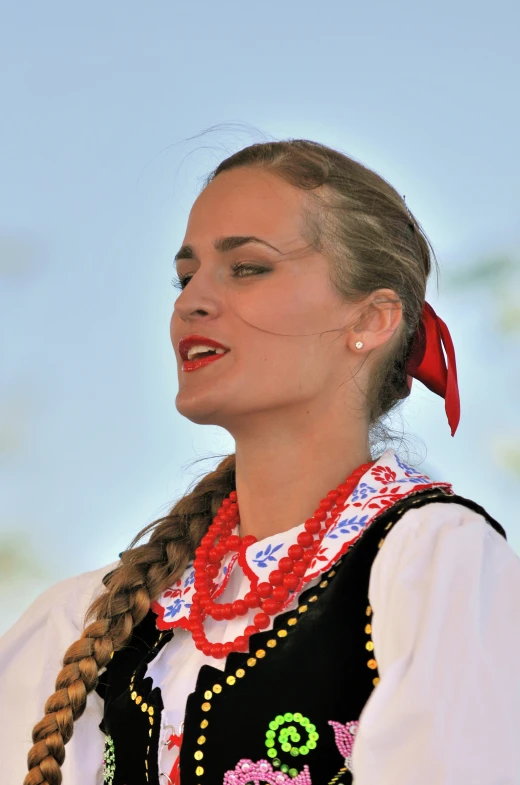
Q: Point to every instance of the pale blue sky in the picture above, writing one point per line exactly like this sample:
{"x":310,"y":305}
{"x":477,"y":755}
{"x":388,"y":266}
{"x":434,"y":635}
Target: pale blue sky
{"x":97,"y":184}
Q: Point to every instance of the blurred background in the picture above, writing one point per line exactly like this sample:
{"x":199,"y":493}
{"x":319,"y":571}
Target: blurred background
{"x":102,"y":156}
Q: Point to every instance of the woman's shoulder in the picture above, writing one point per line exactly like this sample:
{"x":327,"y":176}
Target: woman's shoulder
{"x":429,"y":517}
{"x":63,"y":604}
{"x":440,"y":534}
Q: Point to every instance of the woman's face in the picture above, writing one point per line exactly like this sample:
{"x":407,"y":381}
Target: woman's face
{"x":289,"y":355}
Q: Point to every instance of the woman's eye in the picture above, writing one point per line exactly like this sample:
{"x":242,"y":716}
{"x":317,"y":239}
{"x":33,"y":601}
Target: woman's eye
{"x":181,"y":281}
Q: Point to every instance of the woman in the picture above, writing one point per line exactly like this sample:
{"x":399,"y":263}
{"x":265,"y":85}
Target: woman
{"x":308,"y":613}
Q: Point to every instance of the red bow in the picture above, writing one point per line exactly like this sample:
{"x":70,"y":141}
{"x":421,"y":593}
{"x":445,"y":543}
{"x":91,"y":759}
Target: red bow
{"x":427,"y":363}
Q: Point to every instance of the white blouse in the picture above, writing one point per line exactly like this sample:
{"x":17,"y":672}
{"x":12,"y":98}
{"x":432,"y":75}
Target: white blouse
{"x":445,"y":594}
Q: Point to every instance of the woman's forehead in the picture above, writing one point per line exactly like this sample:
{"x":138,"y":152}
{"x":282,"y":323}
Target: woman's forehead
{"x":247,"y":205}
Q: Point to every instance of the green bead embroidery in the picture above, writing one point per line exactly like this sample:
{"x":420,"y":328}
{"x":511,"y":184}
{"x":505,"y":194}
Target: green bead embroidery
{"x":109,"y":762}
{"x":293,"y":772}
{"x":289,"y":738}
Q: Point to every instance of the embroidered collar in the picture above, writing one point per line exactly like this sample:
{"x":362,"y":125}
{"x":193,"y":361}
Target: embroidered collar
{"x":389,"y":480}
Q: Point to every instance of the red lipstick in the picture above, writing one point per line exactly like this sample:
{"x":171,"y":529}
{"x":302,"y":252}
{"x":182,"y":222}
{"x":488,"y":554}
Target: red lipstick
{"x":194,"y":365}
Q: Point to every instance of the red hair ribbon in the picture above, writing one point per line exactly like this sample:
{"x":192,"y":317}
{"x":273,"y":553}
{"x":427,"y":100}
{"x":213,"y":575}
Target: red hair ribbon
{"x":427,"y":363}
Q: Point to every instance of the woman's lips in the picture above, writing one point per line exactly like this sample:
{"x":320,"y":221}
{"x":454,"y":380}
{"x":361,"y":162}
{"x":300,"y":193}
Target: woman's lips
{"x":194,"y":365}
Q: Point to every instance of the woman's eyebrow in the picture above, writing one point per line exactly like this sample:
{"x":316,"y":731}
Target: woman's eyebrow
{"x":222,"y":244}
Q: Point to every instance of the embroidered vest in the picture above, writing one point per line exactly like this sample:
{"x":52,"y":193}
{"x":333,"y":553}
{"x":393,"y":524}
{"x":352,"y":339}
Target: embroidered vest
{"x":286,"y":711}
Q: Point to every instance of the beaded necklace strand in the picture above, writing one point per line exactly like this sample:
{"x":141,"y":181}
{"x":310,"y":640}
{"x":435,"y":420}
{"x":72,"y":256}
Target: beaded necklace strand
{"x":268,"y":595}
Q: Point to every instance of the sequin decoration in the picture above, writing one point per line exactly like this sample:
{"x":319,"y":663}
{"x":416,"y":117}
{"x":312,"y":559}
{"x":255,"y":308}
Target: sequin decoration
{"x":345,"y":736}
{"x":289,"y":737}
{"x":109,"y":761}
{"x":248,"y":773}
{"x":146,"y":709}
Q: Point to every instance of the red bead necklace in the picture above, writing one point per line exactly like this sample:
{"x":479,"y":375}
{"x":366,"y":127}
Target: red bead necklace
{"x":269,"y":596}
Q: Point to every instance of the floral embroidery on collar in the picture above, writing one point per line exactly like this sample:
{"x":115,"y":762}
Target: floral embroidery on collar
{"x":389,"y":480}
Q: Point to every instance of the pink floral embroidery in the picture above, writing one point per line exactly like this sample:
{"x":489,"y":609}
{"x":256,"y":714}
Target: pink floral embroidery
{"x":345,"y":736}
{"x":246,"y":772}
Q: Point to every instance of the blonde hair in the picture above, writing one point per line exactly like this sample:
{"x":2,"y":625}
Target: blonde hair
{"x":360,"y":222}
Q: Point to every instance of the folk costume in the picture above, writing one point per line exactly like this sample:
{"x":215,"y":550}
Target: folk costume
{"x":389,"y":658}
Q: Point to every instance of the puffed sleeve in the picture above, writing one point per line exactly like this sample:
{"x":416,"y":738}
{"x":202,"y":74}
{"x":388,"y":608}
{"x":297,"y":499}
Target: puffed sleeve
{"x":31,"y":655}
{"x":445,"y":595}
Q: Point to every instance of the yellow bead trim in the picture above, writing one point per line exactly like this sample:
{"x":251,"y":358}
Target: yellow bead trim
{"x":150,"y":732}
{"x":251,"y":661}
{"x":138,"y":700}
{"x":372,"y":664}
{"x":150,"y":720}
{"x":133,"y":696}
{"x":144,"y":707}
{"x":150,"y":710}
{"x":338,"y":776}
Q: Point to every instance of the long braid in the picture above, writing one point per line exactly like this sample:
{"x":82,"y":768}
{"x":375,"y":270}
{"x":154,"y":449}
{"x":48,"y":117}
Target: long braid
{"x":143,"y":573}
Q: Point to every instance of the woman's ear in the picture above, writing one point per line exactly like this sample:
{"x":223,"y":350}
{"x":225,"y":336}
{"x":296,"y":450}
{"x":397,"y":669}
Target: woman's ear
{"x":379,"y":320}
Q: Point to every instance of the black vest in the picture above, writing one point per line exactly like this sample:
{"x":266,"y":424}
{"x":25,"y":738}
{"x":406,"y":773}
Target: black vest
{"x":317,"y":665}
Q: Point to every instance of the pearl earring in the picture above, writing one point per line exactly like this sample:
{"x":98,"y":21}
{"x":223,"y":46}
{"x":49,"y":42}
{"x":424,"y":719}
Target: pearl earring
{"x":359,"y":345}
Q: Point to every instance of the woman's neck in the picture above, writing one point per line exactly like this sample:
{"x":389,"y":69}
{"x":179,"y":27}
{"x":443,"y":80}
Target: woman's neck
{"x":281,"y":481}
